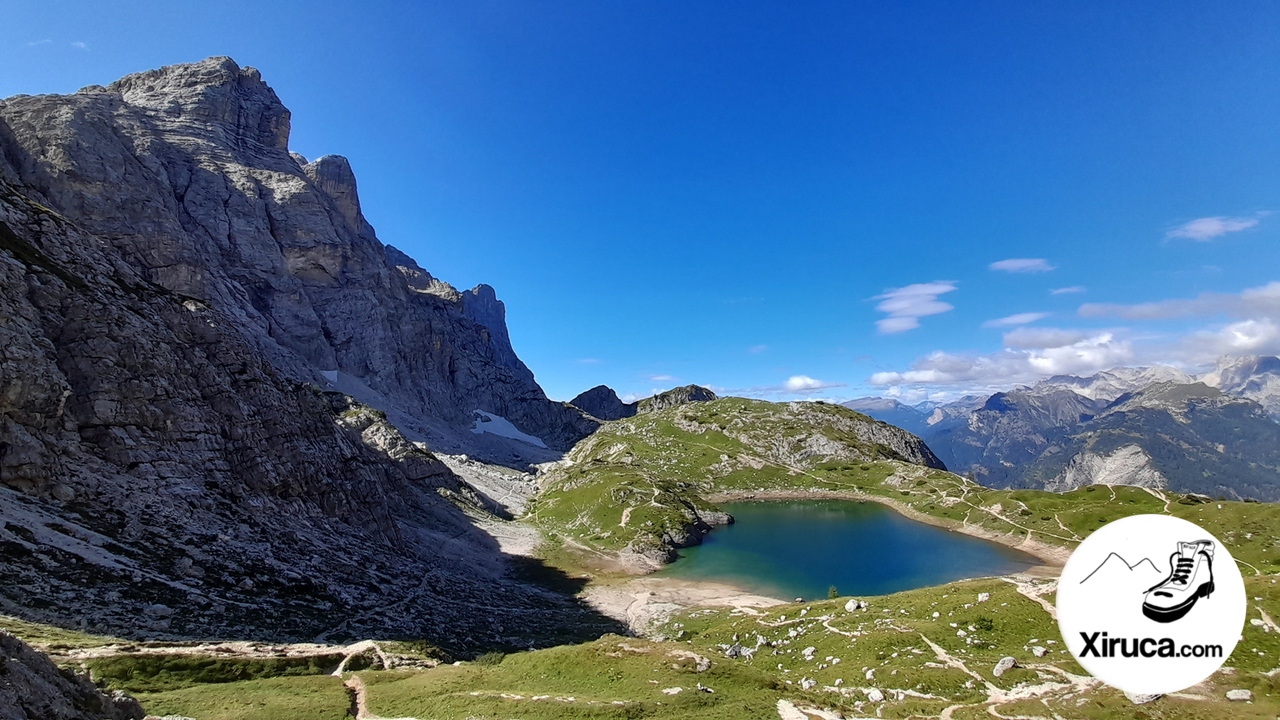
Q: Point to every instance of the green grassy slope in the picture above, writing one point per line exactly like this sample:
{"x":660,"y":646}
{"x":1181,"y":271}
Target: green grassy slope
{"x":658,"y":472}
{"x":640,"y":485}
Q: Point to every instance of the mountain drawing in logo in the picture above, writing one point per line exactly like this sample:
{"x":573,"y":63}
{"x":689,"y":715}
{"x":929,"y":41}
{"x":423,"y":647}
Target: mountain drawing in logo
{"x":1167,"y":597}
{"x":1114,"y":568}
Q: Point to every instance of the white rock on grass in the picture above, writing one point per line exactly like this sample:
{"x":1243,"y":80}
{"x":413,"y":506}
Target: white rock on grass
{"x":1141,"y":699}
{"x":983,"y":597}
{"x":672,"y":690}
{"x":875,"y":696}
{"x":808,"y":652}
{"x":1239,"y":695}
{"x":1038,"y":651}
{"x":1006,"y":664}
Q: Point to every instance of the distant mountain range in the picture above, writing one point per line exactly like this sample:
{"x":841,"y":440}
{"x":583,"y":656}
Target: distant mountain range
{"x":1217,"y":434}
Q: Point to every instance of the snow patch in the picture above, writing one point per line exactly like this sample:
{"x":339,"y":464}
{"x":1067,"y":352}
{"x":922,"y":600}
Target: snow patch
{"x":502,"y":427}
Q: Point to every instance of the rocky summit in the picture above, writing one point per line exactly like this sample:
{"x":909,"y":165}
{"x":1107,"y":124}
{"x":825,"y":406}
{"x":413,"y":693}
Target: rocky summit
{"x":185,"y":173}
{"x":188,"y":311}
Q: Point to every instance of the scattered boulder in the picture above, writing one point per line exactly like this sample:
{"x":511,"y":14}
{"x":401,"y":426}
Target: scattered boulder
{"x":983,"y":597}
{"x":808,"y":652}
{"x":1006,"y":664}
{"x":1038,"y":651}
{"x":1240,"y":695}
{"x":875,"y":696}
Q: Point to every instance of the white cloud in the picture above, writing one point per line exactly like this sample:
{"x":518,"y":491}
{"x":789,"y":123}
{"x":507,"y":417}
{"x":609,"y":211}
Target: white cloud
{"x":1262,"y":301}
{"x":661,"y":378}
{"x":34,"y":43}
{"x":757,"y":349}
{"x":1022,"y":265}
{"x":1025,"y":338}
{"x":1017,"y":319}
{"x":1079,"y":354}
{"x":1247,"y":337}
{"x":794,"y":385}
{"x":79,"y":45}
{"x":1207,"y":228}
{"x":1251,"y":326}
{"x":1067,"y":290}
{"x":906,"y":305}
{"x":806,"y":384}
{"x":588,"y":361}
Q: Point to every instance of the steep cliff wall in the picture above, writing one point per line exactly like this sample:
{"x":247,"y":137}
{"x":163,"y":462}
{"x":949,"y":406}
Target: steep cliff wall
{"x":186,"y":172}
{"x":175,"y":287}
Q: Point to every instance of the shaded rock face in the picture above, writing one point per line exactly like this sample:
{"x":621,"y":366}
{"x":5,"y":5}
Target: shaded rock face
{"x":186,"y":172}
{"x":602,"y":402}
{"x":171,"y":464}
{"x":33,"y":688}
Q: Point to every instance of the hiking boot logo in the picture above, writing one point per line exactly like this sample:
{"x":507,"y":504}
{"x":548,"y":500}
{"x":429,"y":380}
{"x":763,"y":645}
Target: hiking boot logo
{"x":1190,"y":578}
{"x":1146,"y":621}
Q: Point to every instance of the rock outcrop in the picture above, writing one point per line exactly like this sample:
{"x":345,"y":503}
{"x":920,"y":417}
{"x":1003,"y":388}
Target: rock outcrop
{"x":602,"y":402}
{"x":33,"y":688}
{"x":187,"y":173}
{"x":1127,"y":465}
{"x":178,"y":293}
{"x":676,"y":396}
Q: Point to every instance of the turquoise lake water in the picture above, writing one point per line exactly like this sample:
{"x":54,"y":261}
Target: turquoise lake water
{"x":798,"y":549}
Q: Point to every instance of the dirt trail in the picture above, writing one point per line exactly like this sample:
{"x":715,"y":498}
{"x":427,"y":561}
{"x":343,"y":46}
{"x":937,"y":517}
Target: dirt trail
{"x":359,"y":700}
{"x":1035,"y":591}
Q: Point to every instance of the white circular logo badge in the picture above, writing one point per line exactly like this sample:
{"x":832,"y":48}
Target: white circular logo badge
{"x":1151,"y":604}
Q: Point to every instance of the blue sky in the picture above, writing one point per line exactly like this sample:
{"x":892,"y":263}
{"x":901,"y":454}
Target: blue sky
{"x":779,"y":199}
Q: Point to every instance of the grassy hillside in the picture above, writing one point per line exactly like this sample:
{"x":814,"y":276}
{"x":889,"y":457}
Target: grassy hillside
{"x":639,"y":483}
{"x":644,"y":485}
{"x":894,"y":659}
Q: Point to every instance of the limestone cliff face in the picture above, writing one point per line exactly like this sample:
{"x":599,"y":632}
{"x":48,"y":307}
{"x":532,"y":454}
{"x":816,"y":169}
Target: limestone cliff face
{"x":187,"y":173}
{"x":174,"y":285}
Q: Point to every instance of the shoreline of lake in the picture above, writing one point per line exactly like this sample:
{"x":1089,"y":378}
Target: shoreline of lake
{"x":1052,"y":556}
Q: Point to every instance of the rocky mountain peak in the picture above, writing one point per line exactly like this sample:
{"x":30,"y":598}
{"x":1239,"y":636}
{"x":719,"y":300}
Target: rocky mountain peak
{"x":186,"y":169}
{"x":601,"y":401}
{"x":677,"y":396}
{"x":333,"y":175}
{"x":420,"y":280}
{"x":216,"y":92}
{"x":481,"y":305}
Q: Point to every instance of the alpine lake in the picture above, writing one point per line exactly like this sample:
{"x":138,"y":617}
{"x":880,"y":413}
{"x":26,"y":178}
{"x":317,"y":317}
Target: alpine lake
{"x":801,"y":549}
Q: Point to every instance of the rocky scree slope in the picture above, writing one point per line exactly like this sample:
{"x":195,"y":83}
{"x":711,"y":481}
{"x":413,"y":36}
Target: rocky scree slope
{"x":166,"y":467}
{"x":33,"y":688}
{"x":186,"y":172}
{"x":638,"y":486}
